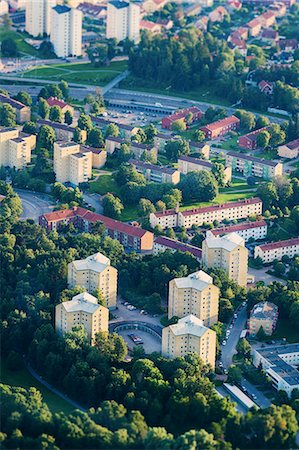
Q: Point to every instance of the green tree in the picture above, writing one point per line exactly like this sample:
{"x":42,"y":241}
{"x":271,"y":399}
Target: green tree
{"x":199,"y":135}
{"x":7,"y":115}
{"x":77,"y":137}
{"x":85,"y":123}
{"x":263,"y":139}
{"x":112,"y":130}
{"x":175,"y":148}
{"x":199,"y":186}
{"x":24,"y":98}
{"x":30,"y":128}
{"x":145,"y":207}
{"x":68,"y":118}
{"x":247,"y":119}
{"x":64,"y":87}
{"x":9,"y":48}
{"x":55,"y":114}
{"x":46,"y":137}
{"x":112,"y":205}
{"x":178,"y":125}
{"x":43,"y":108}
{"x":262,"y":121}
{"x":95,"y":138}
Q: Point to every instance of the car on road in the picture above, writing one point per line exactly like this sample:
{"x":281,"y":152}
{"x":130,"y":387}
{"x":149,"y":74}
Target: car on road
{"x":231,"y":325}
{"x":235,"y":316}
{"x":224,"y":342}
{"x":136,"y":339}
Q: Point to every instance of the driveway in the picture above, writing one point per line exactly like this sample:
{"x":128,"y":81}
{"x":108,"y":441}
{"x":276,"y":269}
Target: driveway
{"x":34,"y":204}
{"x":122,"y":313}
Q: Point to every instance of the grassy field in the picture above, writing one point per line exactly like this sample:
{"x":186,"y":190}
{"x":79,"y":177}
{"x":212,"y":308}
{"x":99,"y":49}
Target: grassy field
{"x":231,"y":144}
{"x":223,"y":197}
{"x":23,"y":47}
{"x":83,"y":73}
{"x":105,"y":183}
{"x":23,"y":378}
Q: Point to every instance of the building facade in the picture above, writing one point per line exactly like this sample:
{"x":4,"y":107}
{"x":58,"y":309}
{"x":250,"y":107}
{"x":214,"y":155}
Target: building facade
{"x":84,"y":310}
{"x":15,"y":148}
{"x":71,"y":163}
{"x":23,"y":112}
{"x":66,"y":31}
{"x":38,"y":17}
{"x":163,"y":243}
{"x":189,"y":335}
{"x":194,"y":294}
{"x":123,"y":21}
{"x":289,"y":150}
{"x":228,"y":253}
{"x":248,"y":140}
{"x":276,"y":250}
{"x":92,"y":273}
{"x":221,"y":127}
{"x":263,"y":315}
{"x":247,"y":230}
{"x":156,"y":174}
{"x":195,"y":113}
{"x":188,"y":164}
{"x":62,"y":131}
{"x":251,"y":166}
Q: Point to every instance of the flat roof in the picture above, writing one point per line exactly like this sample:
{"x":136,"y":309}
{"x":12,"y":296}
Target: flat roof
{"x":274,"y":354}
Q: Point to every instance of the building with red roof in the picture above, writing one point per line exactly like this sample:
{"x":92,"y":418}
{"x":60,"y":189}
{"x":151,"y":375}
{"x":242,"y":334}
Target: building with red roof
{"x":276,"y":250}
{"x":266,"y":87}
{"x":162,"y":243}
{"x":247,"y":230}
{"x":248,"y":140}
{"x":221,"y":127}
{"x":129,"y":236}
{"x":259,"y":3}
{"x":153,"y":27}
{"x":197,"y":114}
{"x":270,"y":35}
{"x":54,"y":101}
{"x":254,"y":27}
{"x":267,"y":19}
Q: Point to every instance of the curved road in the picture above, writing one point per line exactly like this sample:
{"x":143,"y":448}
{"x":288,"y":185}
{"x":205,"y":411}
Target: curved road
{"x":34,"y":204}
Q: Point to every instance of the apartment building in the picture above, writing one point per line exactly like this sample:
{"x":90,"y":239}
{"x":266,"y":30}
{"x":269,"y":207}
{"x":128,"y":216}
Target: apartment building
{"x":276,"y":250}
{"x":156,"y":174}
{"x":189,"y":335}
{"x":194,"y":294}
{"x":289,"y":150}
{"x":123,"y":21}
{"x":263,"y":315}
{"x":23,"y":112}
{"x":92,"y":273}
{"x":3,"y":7}
{"x":131,"y":237}
{"x":54,"y":101}
{"x":200,"y":148}
{"x":140,"y":149}
{"x":247,"y":230}
{"x":241,"y":209}
{"x":196,"y":114}
{"x":162,"y":243}
{"x":62,"y":131}
{"x":71,"y":163}
{"x":15,"y":148}
{"x":260,"y":3}
{"x":228,"y":253}
{"x":84,"y":310}
{"x":38,"y":17}
{"x":250,"y":166}
{"x":188,"y":164}
{"x":280,"y":363}
{"x":66,"y":31}
{"x":248,"y":140}
{"x":125,"y":131}
{"x":221,"y":127}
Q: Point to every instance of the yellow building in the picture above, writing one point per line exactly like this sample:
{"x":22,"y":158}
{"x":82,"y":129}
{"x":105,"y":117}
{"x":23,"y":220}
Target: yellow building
{"x":15,"y":148}
{"x":71,"y":163}
{"x":263,"y":315}
{"x":84,"y":310}
{"x":189,"y":335}
{"x":195,"y":295}
{"x":95,"y":272}
{"x":228,"y":253}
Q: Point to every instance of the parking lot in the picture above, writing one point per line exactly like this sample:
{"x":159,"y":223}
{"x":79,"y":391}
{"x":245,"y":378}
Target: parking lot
{"x":129,"y":117}
{"x":123,"y":313}
{"x":150,"y":343}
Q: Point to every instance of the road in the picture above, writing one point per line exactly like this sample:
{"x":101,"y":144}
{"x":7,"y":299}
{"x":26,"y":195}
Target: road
{"x":95,"y":201}
{"x":34,"y":204}
{"x":261,"y":400}
{"x":229,"y":350}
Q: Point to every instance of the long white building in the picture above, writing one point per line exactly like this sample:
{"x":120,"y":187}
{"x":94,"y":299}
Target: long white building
{"x":247,"y":230}
{"x":123,"y":21}
{"x":276,"y":250}
{"x":38,"y":16}
{"x":66,"y":31}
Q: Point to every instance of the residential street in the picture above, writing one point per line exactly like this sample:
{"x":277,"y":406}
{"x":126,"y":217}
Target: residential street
{"x":229,"y":350}
{"x":261,"y":400}
{"x":34,"y":204}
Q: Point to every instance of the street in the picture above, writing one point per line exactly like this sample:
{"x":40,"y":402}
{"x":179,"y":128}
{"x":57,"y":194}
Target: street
{"x":34,"y":204}
{"x":261,"y":400}
{"x":229,"y":350}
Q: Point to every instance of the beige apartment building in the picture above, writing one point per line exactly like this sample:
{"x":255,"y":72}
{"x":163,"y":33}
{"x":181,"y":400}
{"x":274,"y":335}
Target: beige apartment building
{"x":71,"y":163}
{"x":84,"y":310}
{"x":95,"y":272}
{"x":189,"y":335}
{"x":263,"y":315}
{"x":228,"y":253}
{"x":15,"y":148}
{"x":196,"y":295}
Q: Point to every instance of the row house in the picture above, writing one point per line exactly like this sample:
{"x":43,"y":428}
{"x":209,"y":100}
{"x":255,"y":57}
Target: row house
{"x":196,"y":113}
{"x":251,"y":166}
{"x":62,"y":131}
{"x":156,"y":174}
{"x":221,"y":127}
{"x":267,"y":19}
{"x":276,"y":250}
{"x":248,"y":140}
{"x":254,"y":27}
{"x":247,"y":230}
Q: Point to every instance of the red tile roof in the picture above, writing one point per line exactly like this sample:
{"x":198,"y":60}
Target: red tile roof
{"x":253,"y":23}
{"x":222,"y":123}
{"x":182,"y":114}
{"x":239,"y":227}
{"x":279,"y":244}
{"x":90,"y":216}
{"x":54,"y":101}
{"x":179,"y":246}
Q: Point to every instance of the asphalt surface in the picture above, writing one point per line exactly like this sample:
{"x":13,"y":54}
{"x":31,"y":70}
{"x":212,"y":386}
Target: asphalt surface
{"x":34,"y":204}
{"x":229,"y":350}
{"x":261,"y":400}
{"x":261,"y":275}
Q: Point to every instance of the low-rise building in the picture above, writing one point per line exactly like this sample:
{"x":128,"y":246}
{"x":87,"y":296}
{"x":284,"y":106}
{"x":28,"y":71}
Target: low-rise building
{"x":131,"y":237}
{"x":189,"y":335}
{"x":289,"y":150}
{"x":280,"y":363}
{"x":196,"y":113}
{"x":276,"y":250}
{"x":247,"y":230}
{"x":195,"y":294}
{"x":163,"y":243}
{"x":248,"y":140}
{"x":54,"y":101}
{"x":279,"y":9}
{"x":15,"y":148}
{"x":263,"y":315}
{"x":99,"y":156}
{"x":188,"y":164}
{"x":23,"y":112}
{"x":218,"y":14}
{"x":152,"y":27}
{"x":125,"y":131}
{"x":156,"y":174}
{"x":254,"y":27}
{"x":271,"y":36}
{"x":62,"y":131}
{"x":267,"y":19}
{"x":95,"y":273}
{"x":264,"y":86}
{"x":84,"y":310}
{"x":228,"y":253}
{"x":221,"y":127}
{"x":241,"y":209}
{"x":201,"y":148}
{"x":251,"y":166}
{"x":139,"y":149}
{"x":72,"y":164}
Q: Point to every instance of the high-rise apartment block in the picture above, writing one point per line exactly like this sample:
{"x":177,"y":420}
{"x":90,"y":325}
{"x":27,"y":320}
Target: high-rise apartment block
{"x":189,"y":335}
{"x":71,"y":163}
{"x":66,"y":31}
{"x":123,"y":21}
{"x":194,"y":294}
{"x":15,"y":148}
{"x":38,"y":16}
{"x":228,"y":253}
{"x":84,"y":310}
{"x":92,"y":273}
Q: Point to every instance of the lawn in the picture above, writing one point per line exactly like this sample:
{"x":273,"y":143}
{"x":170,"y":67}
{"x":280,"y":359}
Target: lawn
{"x":23,"y":47}
{"x":105,"y":183}
{"x":231,"y":144}
{"x":223,"y":197}
{"x":23,"y":378}
{"x":84,"y":73}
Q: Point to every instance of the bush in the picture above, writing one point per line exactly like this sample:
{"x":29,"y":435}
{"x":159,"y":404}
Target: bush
{"x":14,"y":361}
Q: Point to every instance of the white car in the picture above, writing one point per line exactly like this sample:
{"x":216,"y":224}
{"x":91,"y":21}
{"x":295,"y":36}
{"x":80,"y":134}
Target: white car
{"x":230,"y":327}
{"x":224,"y":342}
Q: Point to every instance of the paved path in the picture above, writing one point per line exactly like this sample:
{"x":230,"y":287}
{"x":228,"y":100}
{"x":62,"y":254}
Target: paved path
{"x":34,"y":204}
{"x":229,"y":350}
